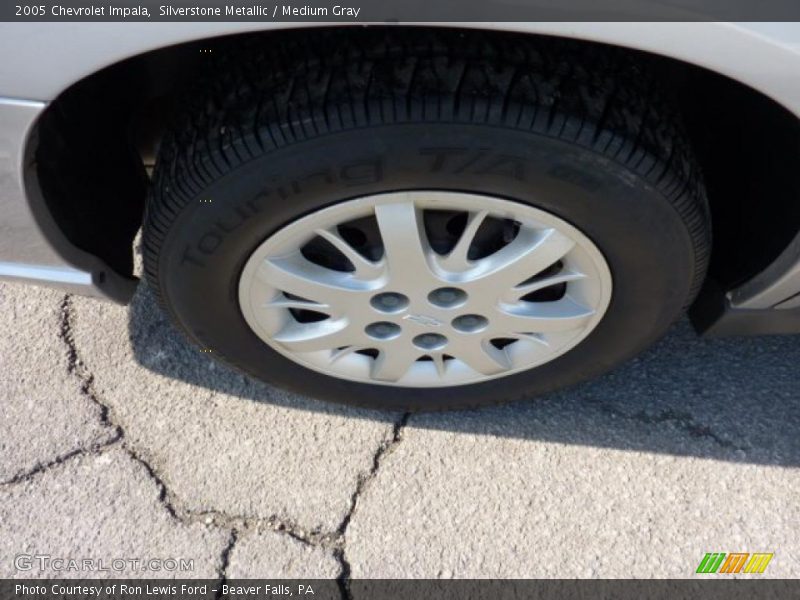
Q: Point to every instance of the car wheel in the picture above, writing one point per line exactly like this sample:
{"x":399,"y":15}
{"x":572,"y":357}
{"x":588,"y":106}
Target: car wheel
{"x":424,"y":220}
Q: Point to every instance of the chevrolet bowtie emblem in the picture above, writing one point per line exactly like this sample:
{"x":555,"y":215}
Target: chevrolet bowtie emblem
{"x":424,"y":320}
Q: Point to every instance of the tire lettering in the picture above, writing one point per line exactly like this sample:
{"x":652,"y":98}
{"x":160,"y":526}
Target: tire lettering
{"x":510,"y":166}
{"x":226,"y":227}
{"x":326,"y":176}
{"x":255,"y":203}
{"x":187,"y":257}
{"x":215,"y":239}
{"x":362,"y":173}
{"x":575,"y":176}
{"x":474,"y":161}
{"x":481,"y":153}
{"x":440,"y":157}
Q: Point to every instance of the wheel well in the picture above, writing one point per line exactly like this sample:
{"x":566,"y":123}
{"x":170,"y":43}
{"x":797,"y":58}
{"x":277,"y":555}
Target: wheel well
{"x":97,"y":140}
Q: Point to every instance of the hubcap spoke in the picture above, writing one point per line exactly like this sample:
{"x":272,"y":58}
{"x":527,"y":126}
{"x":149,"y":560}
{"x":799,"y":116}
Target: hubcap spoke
{"x":483,"y":357}
{"x":300,"y":277}
{"x":439,"y":363}
{"x":405,"y":246}
{"x":346,"y":351}
{"x":544,"y":317}
{"x":310,"y":337}
{"x":529,"y":337}
{"x":365,"y":269}
{"x":457,"y":259}
{"x":394,"y":361}
{"x":425,"y":314}
{"x":546,"y":282}
{"x":284,"y":302}
{"x":528,"y":254}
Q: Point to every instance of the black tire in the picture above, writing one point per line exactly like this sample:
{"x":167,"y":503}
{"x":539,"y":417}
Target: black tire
{"x":577,"y":130}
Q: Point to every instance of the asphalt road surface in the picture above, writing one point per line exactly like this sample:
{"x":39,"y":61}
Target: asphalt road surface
{"x":119,"y":439}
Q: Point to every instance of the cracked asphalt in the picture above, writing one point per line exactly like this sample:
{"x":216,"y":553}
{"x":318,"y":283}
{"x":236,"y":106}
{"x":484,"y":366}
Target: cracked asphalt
{"x":118,"y":439}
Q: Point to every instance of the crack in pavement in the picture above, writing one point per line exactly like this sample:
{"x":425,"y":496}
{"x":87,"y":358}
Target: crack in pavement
{"x":76,"y":367}
{"x":235,"y":524}
{"x":41,"y":467}
{"x":683,"y":420}
{"x":225,"y":558}
{"x":86,"y":389}
{"x":242,"y":523}
{"x":164,"y":495}
{"x":364,"y":479}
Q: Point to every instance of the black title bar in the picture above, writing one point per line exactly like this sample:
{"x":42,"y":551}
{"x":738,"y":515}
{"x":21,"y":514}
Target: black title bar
{"x":406,"y":11}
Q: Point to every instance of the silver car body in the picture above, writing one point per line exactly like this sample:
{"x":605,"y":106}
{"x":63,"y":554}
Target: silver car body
{"x":40,"y":60}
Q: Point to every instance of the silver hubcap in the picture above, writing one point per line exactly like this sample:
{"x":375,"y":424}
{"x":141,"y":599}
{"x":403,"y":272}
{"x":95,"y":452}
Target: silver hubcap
{"x":425,"y":289}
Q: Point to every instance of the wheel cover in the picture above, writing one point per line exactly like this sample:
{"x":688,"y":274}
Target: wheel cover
{"x":425,"y":289}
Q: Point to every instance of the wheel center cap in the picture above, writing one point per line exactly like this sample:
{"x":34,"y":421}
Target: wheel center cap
{"x":425,"y":320}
